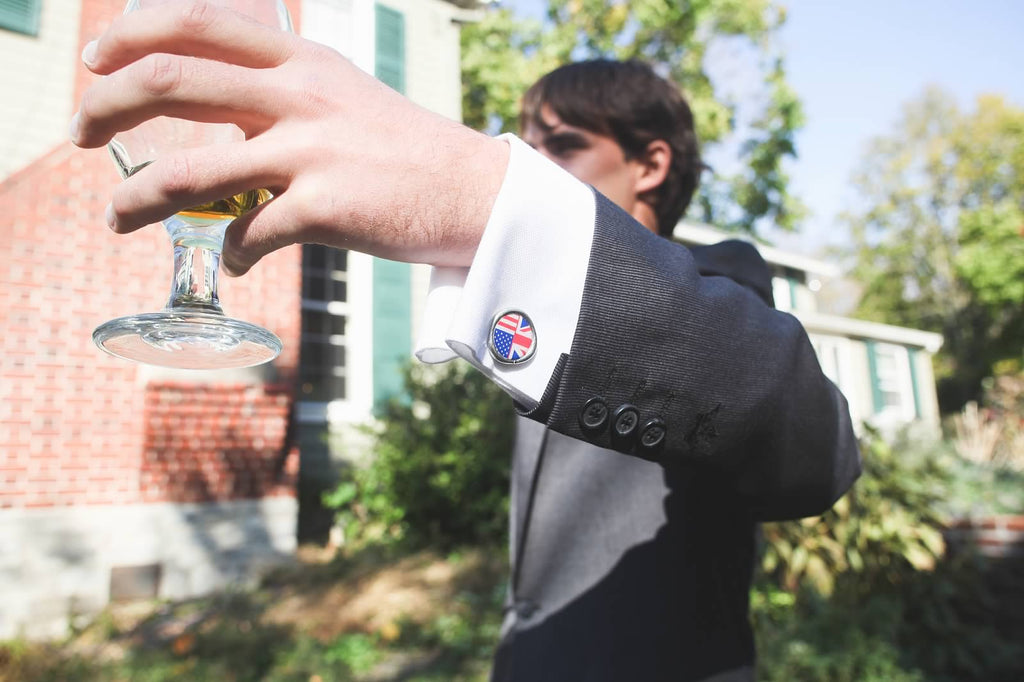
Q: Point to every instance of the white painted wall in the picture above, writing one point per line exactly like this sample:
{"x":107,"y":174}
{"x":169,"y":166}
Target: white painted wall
{"x":37,"y":81}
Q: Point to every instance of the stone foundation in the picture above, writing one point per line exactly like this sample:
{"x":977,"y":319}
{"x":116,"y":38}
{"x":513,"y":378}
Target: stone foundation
{"x":56,"y":563}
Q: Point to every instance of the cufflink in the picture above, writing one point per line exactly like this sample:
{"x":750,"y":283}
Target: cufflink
{"x":512,"y":340}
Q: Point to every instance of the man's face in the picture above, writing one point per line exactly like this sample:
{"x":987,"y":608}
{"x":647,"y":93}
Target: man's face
{"x":591,"y":157}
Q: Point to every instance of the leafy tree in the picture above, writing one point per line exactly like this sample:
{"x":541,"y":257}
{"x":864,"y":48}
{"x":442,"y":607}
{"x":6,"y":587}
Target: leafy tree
{"x":503,"y":55}
{"x":938,"y":240}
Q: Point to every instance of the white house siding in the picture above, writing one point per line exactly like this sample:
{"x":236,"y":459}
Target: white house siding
{"x":925,"y":373}
{"x":845,"y":361}
{"x":431,"y":55}
{"x":860,"y":396}
{"x":37,"y":81}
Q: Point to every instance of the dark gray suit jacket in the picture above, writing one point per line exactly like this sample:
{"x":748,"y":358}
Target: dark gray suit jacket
{"x":633,"y":524}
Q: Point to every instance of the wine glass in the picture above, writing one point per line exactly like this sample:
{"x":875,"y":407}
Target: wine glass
{"x":192,"y":331}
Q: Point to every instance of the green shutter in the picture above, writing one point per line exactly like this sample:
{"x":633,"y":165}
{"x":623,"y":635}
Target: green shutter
{"x":876,"y":389}
{"x":792,"y":293}
{"x":20,"y":15}
{"x":390,"y":53}
{"x":392,"y":326}
{"x":392,"y":282}
{"x":912,"y":358}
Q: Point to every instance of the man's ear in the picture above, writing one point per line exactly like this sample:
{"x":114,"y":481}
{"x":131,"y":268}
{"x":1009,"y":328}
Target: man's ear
{"x":652,"y":167}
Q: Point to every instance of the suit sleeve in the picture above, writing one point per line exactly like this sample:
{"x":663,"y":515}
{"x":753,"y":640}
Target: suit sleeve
{"x":689,"y":370}
{"x":638,"y":352}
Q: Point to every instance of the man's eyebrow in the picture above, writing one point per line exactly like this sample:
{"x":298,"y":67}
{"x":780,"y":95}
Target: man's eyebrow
{"x":564,"y":136}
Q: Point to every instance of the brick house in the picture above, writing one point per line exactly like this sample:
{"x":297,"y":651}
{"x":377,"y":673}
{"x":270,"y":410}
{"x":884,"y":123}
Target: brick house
{"x":119,"y":480}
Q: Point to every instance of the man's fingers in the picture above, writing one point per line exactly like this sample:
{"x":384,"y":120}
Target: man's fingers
{"x":196,"y":29}
{"x":187,"y":179}
{"x":268,"y":228}
{"x":179,"y":87}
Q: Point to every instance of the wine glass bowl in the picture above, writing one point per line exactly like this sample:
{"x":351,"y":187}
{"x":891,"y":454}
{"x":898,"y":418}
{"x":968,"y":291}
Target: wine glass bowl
{"x":192,"y":331}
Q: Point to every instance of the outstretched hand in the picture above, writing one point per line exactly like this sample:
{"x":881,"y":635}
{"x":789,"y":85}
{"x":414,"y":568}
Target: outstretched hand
{"x":351,"y":163}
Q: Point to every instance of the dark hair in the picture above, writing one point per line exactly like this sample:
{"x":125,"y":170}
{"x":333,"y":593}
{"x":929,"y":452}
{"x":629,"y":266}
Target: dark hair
{"x":629,"y":102}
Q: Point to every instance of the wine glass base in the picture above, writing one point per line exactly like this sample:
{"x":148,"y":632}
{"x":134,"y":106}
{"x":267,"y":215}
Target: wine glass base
{"x":187,"y":340}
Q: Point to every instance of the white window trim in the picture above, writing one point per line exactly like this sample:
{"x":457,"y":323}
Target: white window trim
{"x":903,"y":384}
{"x":846,"y":374}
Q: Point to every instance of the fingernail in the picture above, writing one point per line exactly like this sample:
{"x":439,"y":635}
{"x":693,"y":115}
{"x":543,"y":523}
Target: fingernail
{"x":110,"y":217}
{"x":89,"y":53}
{"x":73,"y":127}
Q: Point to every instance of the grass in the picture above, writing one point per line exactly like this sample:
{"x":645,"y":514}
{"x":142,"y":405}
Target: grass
{"x":310,"y":623}
{"x":295,"y":628}
{"x":383,"y":614}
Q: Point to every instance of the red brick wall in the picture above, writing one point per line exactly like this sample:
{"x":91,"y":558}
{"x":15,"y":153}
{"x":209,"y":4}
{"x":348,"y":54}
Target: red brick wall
{"x":72,"y":419}
{"x":999,"y":536}
{"x":216,"y":442}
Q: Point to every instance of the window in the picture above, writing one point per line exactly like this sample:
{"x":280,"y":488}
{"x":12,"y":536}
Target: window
{"x":324,"y":316}
{"x":839,"y":364}
{"x":829,"y":357}
{"x":21,"y":16}
{"x":891,"y":382}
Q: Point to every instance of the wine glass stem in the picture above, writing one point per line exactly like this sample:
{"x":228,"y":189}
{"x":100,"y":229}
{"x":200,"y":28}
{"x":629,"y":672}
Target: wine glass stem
{"x":194,"y":285}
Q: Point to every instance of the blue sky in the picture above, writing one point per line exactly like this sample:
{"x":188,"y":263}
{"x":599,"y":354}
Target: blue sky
{"x":855,"y":64}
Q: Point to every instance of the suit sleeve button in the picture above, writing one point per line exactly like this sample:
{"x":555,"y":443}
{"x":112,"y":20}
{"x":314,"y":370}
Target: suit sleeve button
{"x":652,"y":435}
{"x":594,"y":415}
{"x":625,"y":421}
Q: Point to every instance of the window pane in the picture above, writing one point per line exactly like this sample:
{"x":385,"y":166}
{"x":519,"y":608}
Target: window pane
{"x":314,"y":286}
{"x":339,"y":290}
{"x":338,"y":388}
{"x":322,"y":363}
{"x":313,"y":354}
{"x":315,"y":321}
{"x":891,"y":398}
{"x":322,"y":384}
{"x":314,"y":256}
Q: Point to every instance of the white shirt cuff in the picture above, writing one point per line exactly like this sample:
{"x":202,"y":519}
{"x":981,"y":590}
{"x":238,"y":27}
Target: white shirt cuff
{"x":533,"y":257}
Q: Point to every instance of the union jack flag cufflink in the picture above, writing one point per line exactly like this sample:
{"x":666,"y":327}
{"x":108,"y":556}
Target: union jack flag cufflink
{"x":513,"y":339}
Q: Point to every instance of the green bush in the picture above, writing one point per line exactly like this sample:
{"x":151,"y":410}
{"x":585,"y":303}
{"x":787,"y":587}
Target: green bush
{"x":963,"y":622}
{"x":810,"y":640}
{"x":439,"y":473}
{"x":889,"y":524}
{"x":868,"y":591}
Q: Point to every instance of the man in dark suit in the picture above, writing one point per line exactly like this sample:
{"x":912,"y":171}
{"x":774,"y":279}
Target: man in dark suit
{"x":633,"y":567}
{"x":684,"y":387}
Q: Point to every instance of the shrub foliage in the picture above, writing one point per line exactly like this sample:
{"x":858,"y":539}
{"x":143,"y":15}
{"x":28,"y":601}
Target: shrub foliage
{"x":439,"y":474}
